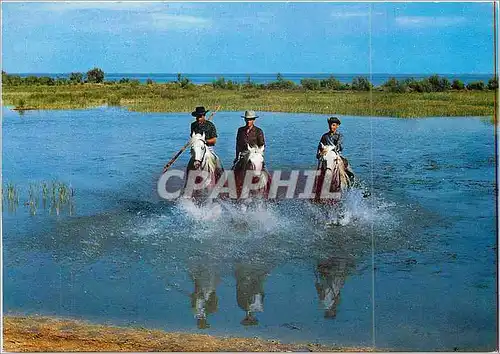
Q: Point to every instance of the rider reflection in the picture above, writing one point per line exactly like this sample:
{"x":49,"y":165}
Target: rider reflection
{"x":330,"y":276}
{"x":250,"y":291}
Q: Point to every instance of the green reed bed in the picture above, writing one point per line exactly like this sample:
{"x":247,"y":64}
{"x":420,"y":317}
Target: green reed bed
{"x":56,"y":197}
{"x":172,"y":98}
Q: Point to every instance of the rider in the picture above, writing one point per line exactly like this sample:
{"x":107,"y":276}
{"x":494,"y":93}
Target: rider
{"x":248,"y":135}
{"x":201,"y":125}
{"x":334,"y":138}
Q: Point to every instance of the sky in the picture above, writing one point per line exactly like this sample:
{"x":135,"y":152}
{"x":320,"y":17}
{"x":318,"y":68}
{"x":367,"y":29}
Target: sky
{"x":245,"y":37}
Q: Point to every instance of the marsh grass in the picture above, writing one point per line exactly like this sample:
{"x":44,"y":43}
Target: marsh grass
{"x":56,"y":197}
{"x":172,"y":98}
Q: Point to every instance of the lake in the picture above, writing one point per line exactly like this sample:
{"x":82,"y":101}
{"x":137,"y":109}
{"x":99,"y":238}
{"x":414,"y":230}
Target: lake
{"x":411,"y":267}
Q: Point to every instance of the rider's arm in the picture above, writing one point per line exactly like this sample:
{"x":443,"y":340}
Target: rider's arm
{"x":340,"y":142}
{"x":237,"y":144}
{"x":212,"y":135}
{"x":260,"y":139}
{"x":321,"y":141}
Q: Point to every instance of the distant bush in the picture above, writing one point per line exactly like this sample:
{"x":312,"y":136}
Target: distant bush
{"x":361,"y":83}
{"x":76,"y":78}
{"x":439,"y":84}
{"x":45,"y":80}
{"x":95,"y":75}
{"x":457,"y":85}
{"x":393,"y":85}
{"x":219,"y":83}
{"x":332,"y":83}
{"x":281,"y":84}
{"x":61,"y":81}
{"x":149,"y":82}
{"x":492,"y":84}
{"x":249,"y":83}
{"x":12,"y":80}
{"x":184,"y":82}
{"x":476,"y":85}
{"x":310,"y":84}
{"x":124,"y":80}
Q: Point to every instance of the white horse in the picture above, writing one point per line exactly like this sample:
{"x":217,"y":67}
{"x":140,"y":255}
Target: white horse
{"x":332,"y":169}
{"x":252,"y":164}
{"x":204,"y":159}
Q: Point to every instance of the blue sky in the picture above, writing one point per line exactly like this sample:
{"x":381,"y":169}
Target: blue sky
{"x":155,"y":37}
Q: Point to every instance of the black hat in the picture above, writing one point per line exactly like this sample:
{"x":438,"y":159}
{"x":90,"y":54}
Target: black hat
{"x":199,"y":111}
{"x":333,"y":120}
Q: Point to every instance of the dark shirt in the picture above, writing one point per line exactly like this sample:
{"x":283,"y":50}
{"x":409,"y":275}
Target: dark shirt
{"x":254,"y":137}
{"x":330,"y":138}
{"x":207,"y":127}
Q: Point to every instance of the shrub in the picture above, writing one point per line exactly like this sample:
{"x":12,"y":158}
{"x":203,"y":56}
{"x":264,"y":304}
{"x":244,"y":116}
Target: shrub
{"x":310,"y":84}
{"x":393,"y":85}
{"x":61,"y":81}
{"x":219,"y":83}
{"x":361,"y":83}
{"x":149,"y":82}
{"x":333,"y":84}
{"x":281,"y":83}
{"x":76,"y":78}
{"x":492,"y":84}
{"x":249,"y":83}
{"x":124,"y":80}
{"x":95,"y":75}
{"x":457,"y":85}
{"x":476,"y":85}
{"x":45,"y":80}
{"x":439,"y":84}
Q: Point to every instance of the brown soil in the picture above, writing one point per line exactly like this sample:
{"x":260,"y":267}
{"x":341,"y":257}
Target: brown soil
{"x":46,"y":334}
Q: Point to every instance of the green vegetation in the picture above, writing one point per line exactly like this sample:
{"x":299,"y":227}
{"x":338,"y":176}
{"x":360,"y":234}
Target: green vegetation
{"x":433,"y":96}
{"x":56,"y":197}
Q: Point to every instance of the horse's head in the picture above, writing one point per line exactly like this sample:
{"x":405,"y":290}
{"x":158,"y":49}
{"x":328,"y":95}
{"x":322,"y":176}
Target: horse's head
{"x":255,"y":159}
{"x":198,"y":148}
{"x":330,"y":156}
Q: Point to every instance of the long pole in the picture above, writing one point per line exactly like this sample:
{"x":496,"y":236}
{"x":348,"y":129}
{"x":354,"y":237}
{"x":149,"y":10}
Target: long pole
{"x":176,"y":156}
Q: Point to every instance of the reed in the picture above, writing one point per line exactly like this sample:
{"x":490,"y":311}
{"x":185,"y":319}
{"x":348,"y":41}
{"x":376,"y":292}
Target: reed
{"x":55,"y":196}
{"x":170,"y":97}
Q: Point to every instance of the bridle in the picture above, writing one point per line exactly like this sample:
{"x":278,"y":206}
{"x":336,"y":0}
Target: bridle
{"x":204,"y":153}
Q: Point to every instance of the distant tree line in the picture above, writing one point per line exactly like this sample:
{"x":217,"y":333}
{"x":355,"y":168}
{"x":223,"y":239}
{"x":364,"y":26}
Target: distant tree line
{"x":433,"y":83}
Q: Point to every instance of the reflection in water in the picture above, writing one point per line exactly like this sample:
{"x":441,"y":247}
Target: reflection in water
{"x":250,"y":290}
{"x":204,"y":300}
{"x":330,"y":276}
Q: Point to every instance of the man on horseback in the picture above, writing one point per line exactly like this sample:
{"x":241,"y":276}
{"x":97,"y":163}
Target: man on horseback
{"x":201,"y":125}
{"x":334,"y":138}
{"x":248,"y":135}
{"x":204,"y":130}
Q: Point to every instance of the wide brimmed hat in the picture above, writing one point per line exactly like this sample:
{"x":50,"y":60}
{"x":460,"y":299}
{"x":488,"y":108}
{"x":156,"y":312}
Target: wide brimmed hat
{"x":199,"y":111}
{"x":333,"y":120}
{"x":250,"y":115}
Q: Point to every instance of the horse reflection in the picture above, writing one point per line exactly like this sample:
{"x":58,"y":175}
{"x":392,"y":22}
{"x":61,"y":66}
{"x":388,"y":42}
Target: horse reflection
{"x":204,"y":299}
{"x":330,"y":276}
{"x":250,"y":291}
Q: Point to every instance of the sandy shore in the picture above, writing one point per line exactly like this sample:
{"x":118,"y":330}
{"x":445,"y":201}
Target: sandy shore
{"x":47,"y":334}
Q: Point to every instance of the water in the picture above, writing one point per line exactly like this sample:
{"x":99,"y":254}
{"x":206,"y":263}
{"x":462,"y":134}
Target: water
{"x":127,"y":258}
{"x":377,"y":79}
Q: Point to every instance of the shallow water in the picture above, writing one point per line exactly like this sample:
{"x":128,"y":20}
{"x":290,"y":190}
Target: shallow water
{"x":126,"y":257}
